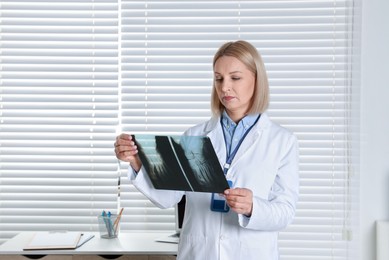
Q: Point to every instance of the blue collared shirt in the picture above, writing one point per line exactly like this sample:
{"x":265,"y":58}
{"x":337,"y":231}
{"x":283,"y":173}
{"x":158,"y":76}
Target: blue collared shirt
{"x":234,"y":132}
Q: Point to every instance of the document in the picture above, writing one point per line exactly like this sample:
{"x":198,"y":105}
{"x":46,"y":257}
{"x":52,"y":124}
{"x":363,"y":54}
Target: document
{"x":84,"y":238}
{"x":187,"y":163}
{"x":53,"y":240}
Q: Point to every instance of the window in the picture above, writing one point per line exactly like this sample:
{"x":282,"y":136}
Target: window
{"x":58,"y":114}
{"x":75,"y":73}
{"x":166,"y":77}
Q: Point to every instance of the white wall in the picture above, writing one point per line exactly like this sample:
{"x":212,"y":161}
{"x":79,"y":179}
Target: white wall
{"x":374,"y":174}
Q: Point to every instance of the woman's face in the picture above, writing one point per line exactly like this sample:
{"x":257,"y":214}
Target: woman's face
{"x":234,"y":85}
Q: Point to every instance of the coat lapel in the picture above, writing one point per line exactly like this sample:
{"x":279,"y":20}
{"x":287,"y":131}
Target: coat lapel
{"x":215,"y":132}
{"x":252,"y":137}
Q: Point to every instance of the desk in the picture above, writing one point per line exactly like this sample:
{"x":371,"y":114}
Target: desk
{"x":133,"y":243}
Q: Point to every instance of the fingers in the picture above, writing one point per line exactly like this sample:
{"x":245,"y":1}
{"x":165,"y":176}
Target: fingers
{"x":241,"y":192}
{"x":240,"y":200}
{"x":125,"y":153}
{"x":126,"y":150}
{"x":125,"y":147}
{"x":123,"y":139}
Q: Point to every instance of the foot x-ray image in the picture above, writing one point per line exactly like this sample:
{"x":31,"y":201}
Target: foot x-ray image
{"x":186,"y":163}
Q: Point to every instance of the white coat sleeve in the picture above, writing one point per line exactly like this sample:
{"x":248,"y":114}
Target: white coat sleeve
{"x":160,"y":198}
{"x":279,"y":210}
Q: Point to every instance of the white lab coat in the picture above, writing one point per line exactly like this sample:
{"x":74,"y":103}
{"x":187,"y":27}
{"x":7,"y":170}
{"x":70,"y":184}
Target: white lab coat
{"x":267,"y":164}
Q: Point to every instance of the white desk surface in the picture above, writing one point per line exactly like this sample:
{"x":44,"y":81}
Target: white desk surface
{"x":134,"y":243}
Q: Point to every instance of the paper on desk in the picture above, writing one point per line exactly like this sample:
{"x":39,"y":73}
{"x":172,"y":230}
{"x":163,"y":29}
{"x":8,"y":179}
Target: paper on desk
{"x":84,"y":238}
{"x":54,"y":240}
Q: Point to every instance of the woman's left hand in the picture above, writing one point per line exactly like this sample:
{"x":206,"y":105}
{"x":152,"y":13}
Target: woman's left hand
{"x":240,"y":200}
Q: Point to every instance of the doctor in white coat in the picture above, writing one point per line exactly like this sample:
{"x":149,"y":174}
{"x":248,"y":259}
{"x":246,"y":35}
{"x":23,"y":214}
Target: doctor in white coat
{"x":259,"y":158}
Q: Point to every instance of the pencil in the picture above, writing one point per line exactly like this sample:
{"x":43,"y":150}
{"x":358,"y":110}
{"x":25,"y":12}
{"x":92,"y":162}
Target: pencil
{"x":117,"y":220}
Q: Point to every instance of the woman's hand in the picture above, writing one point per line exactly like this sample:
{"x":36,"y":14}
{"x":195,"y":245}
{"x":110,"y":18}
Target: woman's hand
{"x":126,"y":150}
{"x":240,"y":200}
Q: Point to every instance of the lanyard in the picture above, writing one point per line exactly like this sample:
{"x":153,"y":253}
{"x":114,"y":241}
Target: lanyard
{"x":231,"y":156}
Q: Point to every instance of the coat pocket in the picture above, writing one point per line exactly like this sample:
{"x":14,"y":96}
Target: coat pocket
{"x":261,"y":249}
{"x":192,"y":248}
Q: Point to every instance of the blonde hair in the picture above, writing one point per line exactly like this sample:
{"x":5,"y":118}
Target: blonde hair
{"x":249,"y":56}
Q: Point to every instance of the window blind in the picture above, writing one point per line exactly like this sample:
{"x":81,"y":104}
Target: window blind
{"x":166,"y":77}
{"x":58,"y":110}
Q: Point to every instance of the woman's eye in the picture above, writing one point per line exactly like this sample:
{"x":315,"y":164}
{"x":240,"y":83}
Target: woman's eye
{"x":235,"y":78}
{"x":218,"y":79}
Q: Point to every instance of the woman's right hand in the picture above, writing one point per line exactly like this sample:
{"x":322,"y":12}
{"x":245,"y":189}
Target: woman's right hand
{"x":126,"y":150}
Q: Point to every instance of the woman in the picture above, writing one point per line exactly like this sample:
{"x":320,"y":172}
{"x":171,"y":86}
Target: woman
{"x":260,"y":159}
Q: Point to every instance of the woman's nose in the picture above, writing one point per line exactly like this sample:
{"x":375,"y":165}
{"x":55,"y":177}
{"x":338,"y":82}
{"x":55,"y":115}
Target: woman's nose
{"x":226,"y":86}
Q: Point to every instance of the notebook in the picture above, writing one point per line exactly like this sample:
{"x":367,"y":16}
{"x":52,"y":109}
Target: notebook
{"x":53,"y":240}
{"x":179,"y":220}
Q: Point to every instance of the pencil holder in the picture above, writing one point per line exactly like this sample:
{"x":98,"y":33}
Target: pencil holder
{"x":108,"y":226}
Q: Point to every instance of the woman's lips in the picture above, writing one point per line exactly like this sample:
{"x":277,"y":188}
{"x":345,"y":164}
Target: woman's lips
{"x":228,"y":98}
